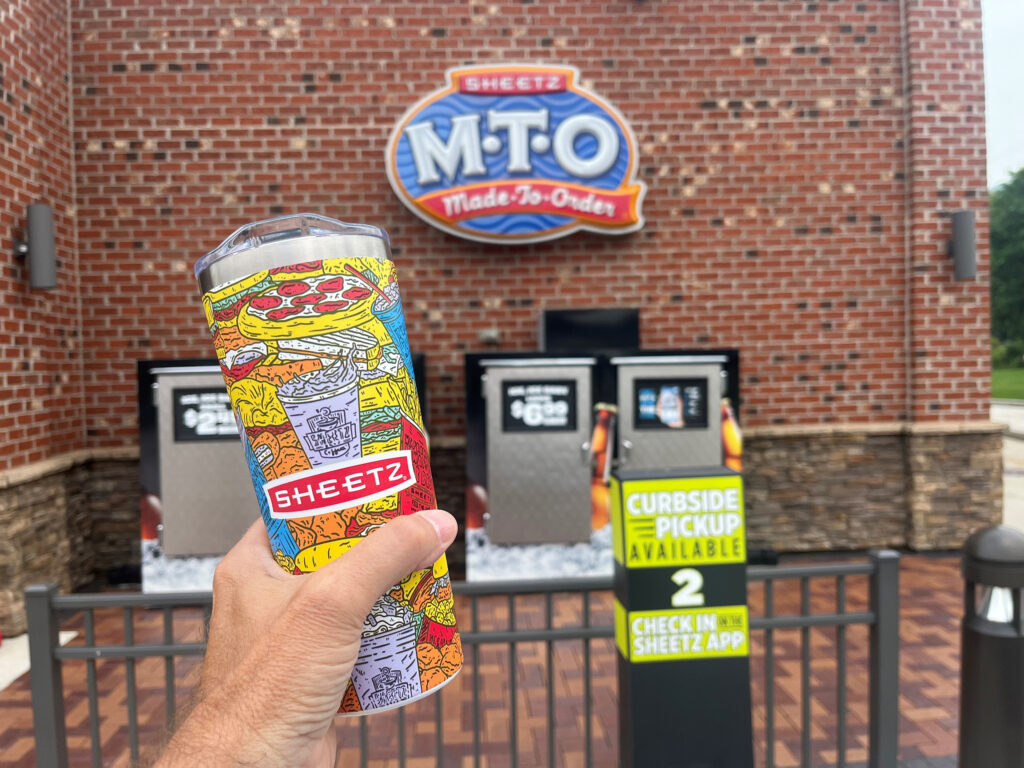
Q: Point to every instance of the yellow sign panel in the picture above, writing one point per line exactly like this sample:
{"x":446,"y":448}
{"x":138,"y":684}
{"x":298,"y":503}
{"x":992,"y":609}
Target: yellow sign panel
{"x":679,"y":521}
{"x":692,"y":633}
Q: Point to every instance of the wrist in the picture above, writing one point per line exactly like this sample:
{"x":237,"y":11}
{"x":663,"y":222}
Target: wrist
{"x":214,"y":736}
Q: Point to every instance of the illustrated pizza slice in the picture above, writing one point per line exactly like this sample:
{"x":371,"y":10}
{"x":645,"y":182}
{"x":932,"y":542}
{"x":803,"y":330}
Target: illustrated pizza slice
{"x":307,"y":307}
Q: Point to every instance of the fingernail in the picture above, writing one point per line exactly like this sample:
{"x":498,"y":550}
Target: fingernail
{"x":443,"y":523}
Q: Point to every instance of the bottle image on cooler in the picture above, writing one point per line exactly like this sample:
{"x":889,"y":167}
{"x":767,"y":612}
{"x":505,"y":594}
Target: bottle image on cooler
{"x":669,"y":407}
{"x":601,"y":442}
{"x":732,"y":439}
{"x":307,"y":323}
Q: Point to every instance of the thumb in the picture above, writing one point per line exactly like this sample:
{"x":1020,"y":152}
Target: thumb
{"x":355,"y":580}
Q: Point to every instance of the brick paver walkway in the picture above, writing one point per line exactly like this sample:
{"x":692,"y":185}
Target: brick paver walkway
{"x":931,"y":600}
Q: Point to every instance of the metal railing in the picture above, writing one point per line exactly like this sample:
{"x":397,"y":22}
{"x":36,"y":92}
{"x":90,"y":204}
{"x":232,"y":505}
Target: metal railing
{"x":540,"y":661}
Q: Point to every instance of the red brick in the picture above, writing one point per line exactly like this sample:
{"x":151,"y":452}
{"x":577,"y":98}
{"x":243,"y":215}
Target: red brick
{"x":35,"y":166}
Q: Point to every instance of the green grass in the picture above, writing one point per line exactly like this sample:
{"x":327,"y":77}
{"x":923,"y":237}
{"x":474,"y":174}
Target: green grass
{"x":1008,"y":383}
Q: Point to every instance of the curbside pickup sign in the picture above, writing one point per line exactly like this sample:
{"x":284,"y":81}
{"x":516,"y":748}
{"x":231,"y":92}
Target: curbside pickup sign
{"x":681,"y":621}
{"x":517,"y":153}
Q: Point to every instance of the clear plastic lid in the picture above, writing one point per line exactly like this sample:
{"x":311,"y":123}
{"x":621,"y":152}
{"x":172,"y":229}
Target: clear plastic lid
{"x":287,"y":240}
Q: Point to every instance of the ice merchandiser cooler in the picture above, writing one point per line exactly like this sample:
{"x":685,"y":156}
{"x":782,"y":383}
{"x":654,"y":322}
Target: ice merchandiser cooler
{"x":205,"y":490}
{"x":538,"y":421}
{"x":669,"y":410}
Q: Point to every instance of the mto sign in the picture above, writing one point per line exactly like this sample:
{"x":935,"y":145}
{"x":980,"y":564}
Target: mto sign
{"x":516,"y":153}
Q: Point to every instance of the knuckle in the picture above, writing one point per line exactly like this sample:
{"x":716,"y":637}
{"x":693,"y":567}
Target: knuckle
{"x":322,"y":605}
{"x":224,"y":577}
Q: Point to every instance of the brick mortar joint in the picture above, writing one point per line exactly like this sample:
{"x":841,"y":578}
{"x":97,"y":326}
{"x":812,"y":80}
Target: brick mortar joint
{"x":853,"y":429}
{"x":28,"y":473}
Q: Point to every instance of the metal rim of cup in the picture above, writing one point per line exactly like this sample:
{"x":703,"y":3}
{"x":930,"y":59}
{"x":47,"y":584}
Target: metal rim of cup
{"x":284,"y":241}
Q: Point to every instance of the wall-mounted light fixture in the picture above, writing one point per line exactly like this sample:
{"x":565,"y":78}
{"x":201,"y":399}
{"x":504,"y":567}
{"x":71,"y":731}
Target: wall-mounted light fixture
{"x":39,"y":247}
{"x":962,"y":247}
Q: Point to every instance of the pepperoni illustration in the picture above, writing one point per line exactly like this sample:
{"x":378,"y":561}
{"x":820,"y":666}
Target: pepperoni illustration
{"x":265,"y":302}
{"x":355,"y":294}
{"x":309,"y":298}
{"x":331,"y":306}
{"x":294,"y":288}
{"x":334,"y":284}
{"x":283,"y":313}
{"x":226,"y":315}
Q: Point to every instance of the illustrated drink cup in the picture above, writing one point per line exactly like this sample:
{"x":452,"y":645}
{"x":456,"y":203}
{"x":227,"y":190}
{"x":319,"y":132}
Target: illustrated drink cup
{"x":307,"y":323}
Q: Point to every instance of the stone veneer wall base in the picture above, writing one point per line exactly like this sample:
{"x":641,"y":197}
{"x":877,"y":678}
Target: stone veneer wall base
{"x":955,"y":486}
{"x":925,"y":487}
{"x":65,"y":521}
{"x":820,"y":492}
{"x":807,"y":489}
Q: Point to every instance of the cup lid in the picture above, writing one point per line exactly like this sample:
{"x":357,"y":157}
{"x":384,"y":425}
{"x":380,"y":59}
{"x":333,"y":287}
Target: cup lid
{"x":287,"y":240}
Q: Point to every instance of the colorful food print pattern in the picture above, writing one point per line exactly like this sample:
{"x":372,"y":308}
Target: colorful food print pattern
{"x":316,"y":361}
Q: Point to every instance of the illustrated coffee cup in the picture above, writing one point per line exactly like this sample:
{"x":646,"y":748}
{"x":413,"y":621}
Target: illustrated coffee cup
{"x":323,"y":408}
{"x":386,"y":673}
{"x":388,"y":309}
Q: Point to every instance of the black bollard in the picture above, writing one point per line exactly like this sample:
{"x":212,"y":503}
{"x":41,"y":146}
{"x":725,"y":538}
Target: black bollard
{"x":681,"y":623}
{"x":992,"y":651}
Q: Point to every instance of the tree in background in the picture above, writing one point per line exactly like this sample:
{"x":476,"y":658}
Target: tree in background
{"x":1006,"y":236}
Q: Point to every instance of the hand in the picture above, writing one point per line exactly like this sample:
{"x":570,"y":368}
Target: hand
{"x":281,"y":647}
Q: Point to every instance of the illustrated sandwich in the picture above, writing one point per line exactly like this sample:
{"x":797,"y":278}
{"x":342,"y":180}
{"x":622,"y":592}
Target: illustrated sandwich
{"x":362,"y":346}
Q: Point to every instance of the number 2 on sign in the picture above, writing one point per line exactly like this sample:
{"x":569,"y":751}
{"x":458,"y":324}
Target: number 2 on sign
{"x":690,"y":583}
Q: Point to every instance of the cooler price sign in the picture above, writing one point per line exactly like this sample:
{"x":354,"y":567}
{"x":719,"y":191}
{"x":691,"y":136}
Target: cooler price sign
{"x":681,"y":621}
{"x":538,"y":406}
{"x":203,"y":414}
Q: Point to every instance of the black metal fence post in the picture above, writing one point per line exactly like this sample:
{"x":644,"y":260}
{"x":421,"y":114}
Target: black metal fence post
{"x":46,"y":677}
{"x":883,"y":742}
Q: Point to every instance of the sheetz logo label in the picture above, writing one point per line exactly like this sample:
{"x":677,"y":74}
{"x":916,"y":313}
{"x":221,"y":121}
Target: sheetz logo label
{"x":342,"y":484}
{"x":516,"y":153}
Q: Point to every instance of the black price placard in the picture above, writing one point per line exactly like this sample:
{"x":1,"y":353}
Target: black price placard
{"x":203,"y":414}
{"x":538,"y":406}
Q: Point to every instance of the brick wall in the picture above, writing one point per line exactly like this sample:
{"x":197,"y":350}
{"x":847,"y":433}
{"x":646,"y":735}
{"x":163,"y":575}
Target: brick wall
{"x":771,"y":140}
{"x":951,"y":359}
{"x":801,"y":176}
{"x":41,"y":413}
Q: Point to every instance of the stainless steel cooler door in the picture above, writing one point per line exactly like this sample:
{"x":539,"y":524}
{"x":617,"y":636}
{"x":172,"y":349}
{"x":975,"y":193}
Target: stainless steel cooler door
{"x":538,"y":478}
{"x":206,"y":492}
{"x":657,"y":448}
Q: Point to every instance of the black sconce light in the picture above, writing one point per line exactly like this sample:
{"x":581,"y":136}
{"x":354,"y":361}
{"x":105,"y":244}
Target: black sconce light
{"x":962,"y":247}
{"x":39,"y":247}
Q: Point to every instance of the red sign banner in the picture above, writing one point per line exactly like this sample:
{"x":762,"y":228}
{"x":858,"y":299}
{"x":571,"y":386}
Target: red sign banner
{"x":510,"y":82}
{"x":596,"y":206}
